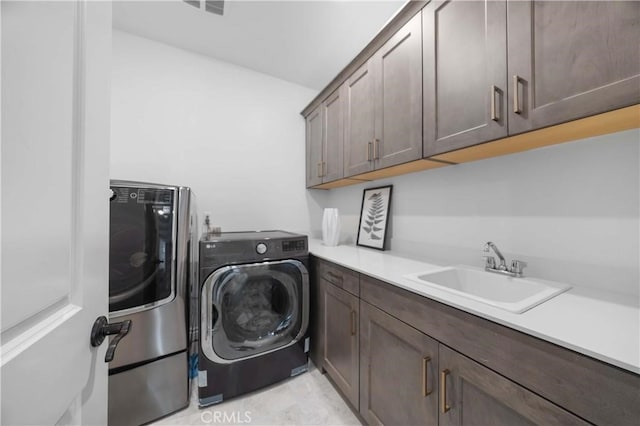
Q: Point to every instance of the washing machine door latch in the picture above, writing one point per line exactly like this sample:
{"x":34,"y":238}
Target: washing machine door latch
{"x":101,"y":328}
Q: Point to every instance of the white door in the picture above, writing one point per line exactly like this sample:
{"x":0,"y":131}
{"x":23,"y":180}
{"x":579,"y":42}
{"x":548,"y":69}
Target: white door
{"x":55,"y":213}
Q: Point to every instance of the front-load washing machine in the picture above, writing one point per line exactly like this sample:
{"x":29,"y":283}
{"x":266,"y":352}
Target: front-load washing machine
{"x":151,"y":266}
{"x":254,"y":312}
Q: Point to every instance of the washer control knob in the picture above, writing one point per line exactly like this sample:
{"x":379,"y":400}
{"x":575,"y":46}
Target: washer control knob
{"x":261,"y":248}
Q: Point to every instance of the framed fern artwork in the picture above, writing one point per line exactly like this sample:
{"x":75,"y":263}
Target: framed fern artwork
{"x":374,"y":217}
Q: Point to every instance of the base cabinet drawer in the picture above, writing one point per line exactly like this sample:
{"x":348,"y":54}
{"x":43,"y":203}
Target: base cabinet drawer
{"x":341,"y":277}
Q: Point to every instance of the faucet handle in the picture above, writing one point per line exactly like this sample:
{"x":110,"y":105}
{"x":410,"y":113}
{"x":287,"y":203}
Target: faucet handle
{"x":517,"y":266}
{"x":490,"y":262}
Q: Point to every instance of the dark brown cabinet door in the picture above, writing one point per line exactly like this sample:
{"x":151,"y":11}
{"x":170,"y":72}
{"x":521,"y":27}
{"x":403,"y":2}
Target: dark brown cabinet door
{"x":359,"y":137}
{"x":333,"y":164}
{"x":465,"y":74}
{"x":316,"y":315}
{"x":325,"y":140}
{"x":571,"y":59}
{"x":314,"y":140}
{"x":471,"y":394}
{"x":398,"y":371}
{"x":341,"y":346}
{"x":398,"y":91}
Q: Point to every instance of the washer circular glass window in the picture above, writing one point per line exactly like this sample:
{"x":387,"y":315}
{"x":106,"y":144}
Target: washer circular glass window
{"x":142,"y":248}
{"x":252,"y":309}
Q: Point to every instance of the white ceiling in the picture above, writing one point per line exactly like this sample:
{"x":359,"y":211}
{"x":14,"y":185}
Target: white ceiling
{"x":304,"y":42}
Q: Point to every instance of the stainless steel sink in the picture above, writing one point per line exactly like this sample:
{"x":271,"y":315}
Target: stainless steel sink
{"x":511,"y":294}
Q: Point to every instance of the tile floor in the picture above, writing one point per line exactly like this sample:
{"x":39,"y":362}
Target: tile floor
{"x":308,"y":399}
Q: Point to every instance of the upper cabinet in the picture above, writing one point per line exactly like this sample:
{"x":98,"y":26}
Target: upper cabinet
{"x":497,"y":68}
{"x":333,"y":108}
{"x":315,"y":136}
{"x":445,"y":76}
{"x":325,"y":136}
{"x":465,"y":73}
{"x":571,"y":59}
{"x":360,"y":121}
{"x":384,"y":105}
{"x":398,"y":97}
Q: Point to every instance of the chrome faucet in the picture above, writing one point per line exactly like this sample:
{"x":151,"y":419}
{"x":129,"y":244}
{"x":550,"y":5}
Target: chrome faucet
{"x":490,"y":262}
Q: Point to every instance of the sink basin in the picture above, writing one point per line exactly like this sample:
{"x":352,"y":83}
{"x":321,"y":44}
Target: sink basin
{"x":511,"y":294}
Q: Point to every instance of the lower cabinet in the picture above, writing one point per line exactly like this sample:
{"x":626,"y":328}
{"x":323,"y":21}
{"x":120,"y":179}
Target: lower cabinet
{"x":398,"y":371}
{"x":471,"y":394}
{"x":402,"y":359}
{"x":341,"y":346}
{"x":408,"y":378}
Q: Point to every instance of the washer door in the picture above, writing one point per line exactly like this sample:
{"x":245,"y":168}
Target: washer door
{"x":141,"y":248}
{"x":252,"y":309}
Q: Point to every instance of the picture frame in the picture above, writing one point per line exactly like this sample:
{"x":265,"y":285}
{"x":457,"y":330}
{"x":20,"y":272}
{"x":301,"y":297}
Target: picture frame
{"x":374,"y":217}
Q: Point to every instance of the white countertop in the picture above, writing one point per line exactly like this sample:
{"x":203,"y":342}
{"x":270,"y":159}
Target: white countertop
{"x":596,"y":323}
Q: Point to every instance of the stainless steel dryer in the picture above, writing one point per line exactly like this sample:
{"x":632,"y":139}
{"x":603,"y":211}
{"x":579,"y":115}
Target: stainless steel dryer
{"x":150,"y":263}
{"x":254,"y":312}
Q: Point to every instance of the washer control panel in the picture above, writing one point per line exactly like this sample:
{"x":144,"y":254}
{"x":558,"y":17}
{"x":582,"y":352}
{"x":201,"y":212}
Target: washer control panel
{"x":294,"y":245}
{"x":246,"y":247}
{"x":261,"y":248}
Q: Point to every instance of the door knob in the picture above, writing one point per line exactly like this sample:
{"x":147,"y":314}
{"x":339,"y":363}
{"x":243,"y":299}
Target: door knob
{"x":101,"y":329}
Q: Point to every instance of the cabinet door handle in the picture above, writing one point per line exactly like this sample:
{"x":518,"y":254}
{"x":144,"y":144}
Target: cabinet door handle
{"x":369,"y":150}
{"x":376,"y":149}
{"x":353,"y":323}
{"x":494,"y":111}
{"x":444,"y":407}
{"x":516,"y":94}
{"x":324,"y":168}
{"x":319,"y":169}
{"x":425,"y":376}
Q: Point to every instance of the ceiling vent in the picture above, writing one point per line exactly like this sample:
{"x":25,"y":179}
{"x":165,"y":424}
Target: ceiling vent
{"x":212,"y":6}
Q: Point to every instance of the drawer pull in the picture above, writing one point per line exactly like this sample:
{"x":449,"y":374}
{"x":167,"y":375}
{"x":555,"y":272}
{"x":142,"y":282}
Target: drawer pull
{"x":444,"y":407}
{"x":425,"y":376}
{"x":335,"y":276}
{"x":353,"y":323}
